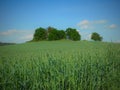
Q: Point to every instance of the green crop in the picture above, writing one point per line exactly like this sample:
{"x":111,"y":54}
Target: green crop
{"x":60,"y":65}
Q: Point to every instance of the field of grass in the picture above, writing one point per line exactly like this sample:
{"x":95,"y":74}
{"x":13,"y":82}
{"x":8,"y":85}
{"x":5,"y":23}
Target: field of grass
{"x":60,"y":65}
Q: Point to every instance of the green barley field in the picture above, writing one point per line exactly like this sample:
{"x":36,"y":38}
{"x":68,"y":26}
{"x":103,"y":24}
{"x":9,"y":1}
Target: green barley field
{"x":60,"y":65}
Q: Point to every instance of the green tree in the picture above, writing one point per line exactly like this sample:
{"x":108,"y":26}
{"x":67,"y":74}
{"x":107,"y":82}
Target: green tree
{"x":49,"y":29}
{"x":40,"y":34}
{"x":53,"y":35}
{"x":61,"y":34}
{"x":96,"y":37}
{"x":72,"y":34}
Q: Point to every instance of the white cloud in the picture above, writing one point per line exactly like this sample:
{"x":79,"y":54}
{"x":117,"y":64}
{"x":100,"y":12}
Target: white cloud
{"x":12,"y":32}
{"x":27,"y":37}
{"x":99,"y":22}
{"x":112,"y":26}
{"x":88,"y":36}
{"x":16,"y":36}
{"x":9,"y":32}
{"x":78,"y":31}
{"x":85,"y":35}
{"x":86,"y":24}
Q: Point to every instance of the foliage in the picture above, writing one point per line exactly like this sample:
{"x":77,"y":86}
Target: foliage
{"x":49,"y":29}
{"x":72,"y":34}
{"x":96,"y":37}
{"x":40,"y":34}
{"x":52,"y":33}
{"x":56,"y":34}
{"x":61,"y":66}
{"x":61,"y":34}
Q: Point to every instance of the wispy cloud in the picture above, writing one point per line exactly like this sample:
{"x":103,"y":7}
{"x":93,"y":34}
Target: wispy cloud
{"x":99,"y":22}
{"x":12,"y":32}
{"x":78,"y":31}
{"x":16,"y":36}
{"x":86,"y":24}
{"x":88,"y":37}
{"x":27,"y":37}
{"x":112,"y":26}
{"x":7,"y":33}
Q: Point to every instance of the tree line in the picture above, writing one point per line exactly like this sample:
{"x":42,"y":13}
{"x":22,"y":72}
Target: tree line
{"x":52,"y":33}
{"x":4,"y":43}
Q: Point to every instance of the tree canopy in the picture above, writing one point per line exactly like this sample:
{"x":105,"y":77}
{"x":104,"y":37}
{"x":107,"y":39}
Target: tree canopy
{"x":52,"y":33}
{"x":72,"y":34}
{"x":96,"y":37}
{"x":40,"y":34}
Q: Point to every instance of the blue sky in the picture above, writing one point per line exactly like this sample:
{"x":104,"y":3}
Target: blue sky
{"x":19,"y":18}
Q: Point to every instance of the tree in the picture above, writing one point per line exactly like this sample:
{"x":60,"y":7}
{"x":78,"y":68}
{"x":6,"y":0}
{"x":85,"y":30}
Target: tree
{"x":96,"y":37}
{"x":49,"y":29}
{"x":40,"y":34}
{"x":53,"y":35}
{"x":61,"y":34}
{"x":72,"y":34}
